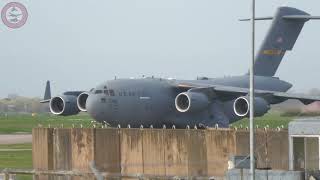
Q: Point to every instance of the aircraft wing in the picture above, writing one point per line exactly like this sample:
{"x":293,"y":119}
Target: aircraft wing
{"x":230,"y":93}
{"x":305,"y":99}
{"x":68,"y":93}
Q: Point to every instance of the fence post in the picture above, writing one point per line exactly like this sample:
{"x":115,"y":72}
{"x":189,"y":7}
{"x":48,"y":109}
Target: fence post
{"x":6,"y":175}
{"x":35,"y":177}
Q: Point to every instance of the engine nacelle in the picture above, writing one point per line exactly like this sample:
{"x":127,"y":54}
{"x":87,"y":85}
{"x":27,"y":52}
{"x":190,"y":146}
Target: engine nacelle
{"x":191,"y":102}
{"x":82,"y":101}
{"x":241,"y":106}
{"x":64,"y":105}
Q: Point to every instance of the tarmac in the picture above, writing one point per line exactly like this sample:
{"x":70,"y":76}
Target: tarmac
{"x":15,"y":138}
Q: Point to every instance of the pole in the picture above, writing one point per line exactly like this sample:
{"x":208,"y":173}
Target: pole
{"x":252,"y":159}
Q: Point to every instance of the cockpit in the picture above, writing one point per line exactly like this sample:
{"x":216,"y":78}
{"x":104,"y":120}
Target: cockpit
{"x":98,"y":91}
{"x":109,"y":92}
{"x":105,"y":91}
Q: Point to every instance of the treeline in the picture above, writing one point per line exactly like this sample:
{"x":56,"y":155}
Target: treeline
{"x":23,"y":105}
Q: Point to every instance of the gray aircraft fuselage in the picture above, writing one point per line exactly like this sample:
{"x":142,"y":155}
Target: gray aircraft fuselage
{"x":150,"y":101}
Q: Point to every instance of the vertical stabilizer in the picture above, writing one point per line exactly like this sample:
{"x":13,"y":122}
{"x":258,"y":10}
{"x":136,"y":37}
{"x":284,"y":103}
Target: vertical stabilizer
{"x":281,"y":37}
{"x":47,"y":93}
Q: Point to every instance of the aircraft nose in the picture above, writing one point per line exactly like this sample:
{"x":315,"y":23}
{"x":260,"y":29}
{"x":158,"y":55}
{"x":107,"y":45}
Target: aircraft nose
{"x":92,"y":106}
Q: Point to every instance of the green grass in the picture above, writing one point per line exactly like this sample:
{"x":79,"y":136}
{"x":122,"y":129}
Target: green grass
{"x":14,"y":123}
{"x":272,"y":120}
{"x":24,"y":177}
{"x":15,"y":146}
{"x":16,"y":159}
{"x":24,"y":123}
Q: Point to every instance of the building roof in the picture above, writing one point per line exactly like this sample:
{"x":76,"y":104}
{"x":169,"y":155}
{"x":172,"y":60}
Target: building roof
{"x":305,"y":126}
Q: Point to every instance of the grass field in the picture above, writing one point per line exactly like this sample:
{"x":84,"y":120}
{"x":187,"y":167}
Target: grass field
{"x":24,"y":123}
{"x":9,"y":158}
{"x":16,"y":156}
{"x":19,"y":156}
{"x":272,"y":120}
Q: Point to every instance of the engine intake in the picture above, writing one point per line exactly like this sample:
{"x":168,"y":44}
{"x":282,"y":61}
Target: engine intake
{"x":191,"y":102}
{"x":241,"y":106}
{"x":64,"y":105}
{"x":82,"y":101}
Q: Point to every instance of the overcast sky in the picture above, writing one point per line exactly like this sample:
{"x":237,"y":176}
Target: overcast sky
{"x":78,"y":44}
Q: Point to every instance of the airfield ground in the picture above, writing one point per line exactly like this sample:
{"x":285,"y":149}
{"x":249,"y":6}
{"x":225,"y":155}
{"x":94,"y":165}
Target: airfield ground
{"x":17,"y":124}
{"x":16,"y":156}
{"x":271,"y":120}
{"x":15,"y":137}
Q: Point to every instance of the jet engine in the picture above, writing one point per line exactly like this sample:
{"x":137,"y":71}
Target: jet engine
{"x":64,"y":105}
{"x":241,"y":106}
{"x":82,"y":100}
{"x":191,"y":101}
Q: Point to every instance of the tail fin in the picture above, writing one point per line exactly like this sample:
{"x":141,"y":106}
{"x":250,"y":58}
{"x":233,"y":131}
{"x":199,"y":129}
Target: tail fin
{"x":47,"y":93}
{"x":282,"y":35}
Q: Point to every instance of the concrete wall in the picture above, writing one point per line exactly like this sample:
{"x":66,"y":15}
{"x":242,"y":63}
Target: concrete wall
{"x":153,"y":152}
{"x":179,"y":152}
{"x":278,"y":149}
{"x":107,"y":150}
{"x":220,"y":145}
{"x":42,"y":150}
{"x":197,"y":153}
{"x":62,"y":154}
{"x":176,"y":152}
{"x":82,"y":150}
{"x":131,"y":151}
{"x":261,"y":143}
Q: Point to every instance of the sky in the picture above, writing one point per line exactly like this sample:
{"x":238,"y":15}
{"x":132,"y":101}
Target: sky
{"x":78,"y":44}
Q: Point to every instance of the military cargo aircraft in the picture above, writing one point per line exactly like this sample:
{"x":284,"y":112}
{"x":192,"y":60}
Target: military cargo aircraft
{"x":204,"y":102}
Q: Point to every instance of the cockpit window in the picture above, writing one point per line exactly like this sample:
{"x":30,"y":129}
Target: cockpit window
{"x":98,"y":92}
{"x":106,"y":92}
{"x":111,"y":92}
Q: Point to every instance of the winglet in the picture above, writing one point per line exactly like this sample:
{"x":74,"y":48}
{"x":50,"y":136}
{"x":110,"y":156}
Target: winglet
{"x":47,"y":93}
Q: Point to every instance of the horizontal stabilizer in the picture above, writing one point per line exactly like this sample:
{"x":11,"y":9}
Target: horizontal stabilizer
{"x":288,"y":17}
{"x":45,"y":101}
{"x":301,"y":17}
{"x":258,"y":19}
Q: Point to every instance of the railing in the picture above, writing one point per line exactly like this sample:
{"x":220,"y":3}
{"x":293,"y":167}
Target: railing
{"x":97,"y":175}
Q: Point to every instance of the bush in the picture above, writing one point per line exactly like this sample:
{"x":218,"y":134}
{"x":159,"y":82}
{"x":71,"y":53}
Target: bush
{"x":295,"y":113}
{"x":291,"y":113}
